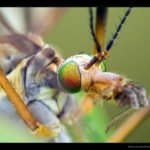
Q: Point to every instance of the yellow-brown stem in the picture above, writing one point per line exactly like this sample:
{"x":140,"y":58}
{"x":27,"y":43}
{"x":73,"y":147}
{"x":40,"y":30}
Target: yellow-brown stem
{"x":15,"y":99}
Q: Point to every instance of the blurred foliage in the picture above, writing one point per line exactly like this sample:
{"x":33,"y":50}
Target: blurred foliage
{"x":129,"y":56}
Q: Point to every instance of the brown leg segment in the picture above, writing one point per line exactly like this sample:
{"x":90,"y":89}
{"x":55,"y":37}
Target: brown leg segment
{"x":87,"y":103}
{"x":21,"y":108}
{"x":85,"y":106}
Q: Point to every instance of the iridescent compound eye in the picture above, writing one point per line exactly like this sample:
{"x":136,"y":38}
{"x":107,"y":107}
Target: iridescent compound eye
{"x":69,"y":77}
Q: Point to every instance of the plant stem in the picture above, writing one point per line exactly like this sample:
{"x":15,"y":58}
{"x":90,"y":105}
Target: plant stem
{"x":16,"y":100}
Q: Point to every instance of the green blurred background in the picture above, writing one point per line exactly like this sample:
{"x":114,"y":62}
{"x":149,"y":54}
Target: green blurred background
{"x":129,"y":57}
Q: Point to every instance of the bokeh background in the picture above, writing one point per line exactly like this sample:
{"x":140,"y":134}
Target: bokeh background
{"x":129,"y":57}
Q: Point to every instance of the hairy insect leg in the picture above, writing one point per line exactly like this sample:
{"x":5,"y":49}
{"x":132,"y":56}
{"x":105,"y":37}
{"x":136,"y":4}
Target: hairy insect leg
{"x":110,"y":85}
{"x":132,"y":94}
{"x":135,"y":96}
{"x":128,"y":97}
{"x":141,"y":93}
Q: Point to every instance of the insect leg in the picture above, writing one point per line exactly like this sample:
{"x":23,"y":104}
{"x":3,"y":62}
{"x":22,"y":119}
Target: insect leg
{"x":17,"y":102}
{"x":110,"y":85}
{"x":128,"y":97}
{"x":86,"y":105}
{"x":45,"y":116}
{"x":141,"y":93}
{"x":134,"y":95}
{"x":6,"y":23}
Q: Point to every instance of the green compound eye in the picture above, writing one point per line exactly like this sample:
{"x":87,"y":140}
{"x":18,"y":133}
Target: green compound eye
{"x":103,"y":65}
{"x":69,"y":77}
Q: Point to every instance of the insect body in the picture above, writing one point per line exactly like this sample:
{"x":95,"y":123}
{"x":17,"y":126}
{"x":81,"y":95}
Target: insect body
{"x":74,"y":77}
{"x":31,"y":68}
{"x":81,"y":72}
{"x":35,"y":80}
{"x":44,"y":80}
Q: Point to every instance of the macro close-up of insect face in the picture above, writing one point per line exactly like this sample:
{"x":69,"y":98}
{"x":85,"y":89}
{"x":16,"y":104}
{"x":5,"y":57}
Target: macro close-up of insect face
{"x":84,"y":72}
{"x":64,"y":94}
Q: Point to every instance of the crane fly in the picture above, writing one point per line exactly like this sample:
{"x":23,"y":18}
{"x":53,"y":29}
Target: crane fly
{"x":88,"y":73}
{"x":38,"y":77}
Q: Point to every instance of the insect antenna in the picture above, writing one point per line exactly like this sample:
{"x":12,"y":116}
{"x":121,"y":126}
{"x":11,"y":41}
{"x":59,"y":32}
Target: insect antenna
{"x":120,"y":117}
{"x":100,"y":20}
{"x":115,"y":35}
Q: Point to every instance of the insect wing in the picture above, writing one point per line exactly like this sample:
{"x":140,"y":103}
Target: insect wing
{"x":37,"y":20}
{"x":15,"y":47}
